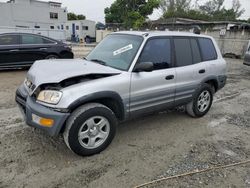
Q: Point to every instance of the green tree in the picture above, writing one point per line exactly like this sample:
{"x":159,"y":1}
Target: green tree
{"x":216,"y":11}
{"x":236,"y":6}
{"x":73,"y":16}
{"x":130,"y":13}
{"x":81,"y":17}
{"x":172,"y":6}
{"x":210,"y":7}
{"x":212,"y":10}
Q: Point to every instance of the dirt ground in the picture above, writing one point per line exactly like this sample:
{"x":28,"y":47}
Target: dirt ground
{"x":156,"y":146}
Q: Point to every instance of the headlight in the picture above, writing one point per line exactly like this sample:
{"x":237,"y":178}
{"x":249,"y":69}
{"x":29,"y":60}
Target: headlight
{"x":49,"y":96}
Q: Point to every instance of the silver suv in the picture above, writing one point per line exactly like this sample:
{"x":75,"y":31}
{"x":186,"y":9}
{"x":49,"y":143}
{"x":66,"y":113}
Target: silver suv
{"x":127,"y":75}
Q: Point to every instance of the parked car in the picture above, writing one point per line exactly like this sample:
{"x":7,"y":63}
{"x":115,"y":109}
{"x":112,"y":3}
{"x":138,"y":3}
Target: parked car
{"x":247,"y":56}
{"x":23,"y":49}
{"x":127,"y":75}
{"x":89,"y":39}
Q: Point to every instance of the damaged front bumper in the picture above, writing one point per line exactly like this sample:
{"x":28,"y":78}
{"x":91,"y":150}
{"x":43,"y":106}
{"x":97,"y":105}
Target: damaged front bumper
{"x":32,"y":111}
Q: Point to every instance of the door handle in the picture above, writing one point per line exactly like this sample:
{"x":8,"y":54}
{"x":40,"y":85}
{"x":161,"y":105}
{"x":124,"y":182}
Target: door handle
{"x":43,"y":48}
{"x":15,"y":50}
{"x":202,"y":71}
{"x":169,"y":77}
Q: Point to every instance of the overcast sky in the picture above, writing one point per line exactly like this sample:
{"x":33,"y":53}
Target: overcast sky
{"x":94,"y":9}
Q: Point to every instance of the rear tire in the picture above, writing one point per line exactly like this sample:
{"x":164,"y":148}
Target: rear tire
{"x":202,"y":101}
{"x":90,"y":129}
{"x":51,"y":57}
{"x":87,"y":40}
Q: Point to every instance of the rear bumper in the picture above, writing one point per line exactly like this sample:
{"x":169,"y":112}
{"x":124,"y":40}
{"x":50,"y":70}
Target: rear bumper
{"x":28,"y":106}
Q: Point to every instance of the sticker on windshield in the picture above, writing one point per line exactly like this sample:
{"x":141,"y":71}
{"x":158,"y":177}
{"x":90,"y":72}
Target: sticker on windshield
{"x":123,"y":49}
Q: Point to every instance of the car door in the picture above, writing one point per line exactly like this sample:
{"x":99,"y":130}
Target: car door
{"x":190,"y":70}
{"x":152,"y":91}
{"x":9,"y":49}
{"x":209,"y":57}
{"x":34,"y":47}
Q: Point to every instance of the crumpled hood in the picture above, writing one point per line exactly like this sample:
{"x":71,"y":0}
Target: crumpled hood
{"x":55,"y":71}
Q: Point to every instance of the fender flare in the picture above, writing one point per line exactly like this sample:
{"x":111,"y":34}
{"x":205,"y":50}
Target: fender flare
{"x":211,"y":78}
{"x":98,"y":96}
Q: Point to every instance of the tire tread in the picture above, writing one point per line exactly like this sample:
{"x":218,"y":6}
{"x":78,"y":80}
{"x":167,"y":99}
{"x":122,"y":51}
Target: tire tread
{"x":190,"y":109}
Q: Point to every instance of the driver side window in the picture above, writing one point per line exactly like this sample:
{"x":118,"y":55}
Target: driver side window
{"x":157,"y":51}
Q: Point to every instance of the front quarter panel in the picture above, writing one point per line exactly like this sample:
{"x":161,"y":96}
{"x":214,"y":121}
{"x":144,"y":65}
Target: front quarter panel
{"x":119,"y":84}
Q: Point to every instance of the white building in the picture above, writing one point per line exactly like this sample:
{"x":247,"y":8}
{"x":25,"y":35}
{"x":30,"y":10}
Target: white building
{"x":33,"y":14}
{"x":80,"y":28}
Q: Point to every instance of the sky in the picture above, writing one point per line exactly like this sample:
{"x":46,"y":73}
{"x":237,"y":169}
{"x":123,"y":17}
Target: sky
{"x":94,"y":9}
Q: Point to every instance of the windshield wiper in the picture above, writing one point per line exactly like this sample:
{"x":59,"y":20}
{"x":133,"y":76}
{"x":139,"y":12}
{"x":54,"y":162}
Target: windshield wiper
{"x":99,"y":61}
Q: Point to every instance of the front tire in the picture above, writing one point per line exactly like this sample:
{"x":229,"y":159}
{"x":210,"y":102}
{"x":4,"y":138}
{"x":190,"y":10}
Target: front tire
{"x":201,"y":102}
{"x":90,"y":129}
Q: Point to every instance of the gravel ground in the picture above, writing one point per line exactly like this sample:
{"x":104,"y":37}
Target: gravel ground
{"x":156,"y":146}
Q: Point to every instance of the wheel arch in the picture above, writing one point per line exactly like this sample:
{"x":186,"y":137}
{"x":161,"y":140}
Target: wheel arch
{"x":212,"y":81}
{"x":64,"y":53}
{"x":108,"y":98}
{"x":52,"y":53}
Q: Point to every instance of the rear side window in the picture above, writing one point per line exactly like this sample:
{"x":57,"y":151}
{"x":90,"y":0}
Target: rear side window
{"x":47,"y":41}
{"x":183,"y":52}
{"x":195,"y":51}
{"x":31,"y":39}
{"x":157,"y":51}
{"x":9,"y":40}
{"x":207,"y":49}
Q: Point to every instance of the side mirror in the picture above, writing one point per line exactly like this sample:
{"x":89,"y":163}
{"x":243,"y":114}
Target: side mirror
{"x":144,"y":67}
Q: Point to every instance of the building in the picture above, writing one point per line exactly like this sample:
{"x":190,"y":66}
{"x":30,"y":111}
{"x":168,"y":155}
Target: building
{"x":184,"y":24}
{"x":232,"y":36}
{"x":80,"y":29}
{"x":33,"y":14}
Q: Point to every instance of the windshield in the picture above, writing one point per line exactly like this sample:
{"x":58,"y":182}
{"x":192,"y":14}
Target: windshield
{"x":117,"y":51}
